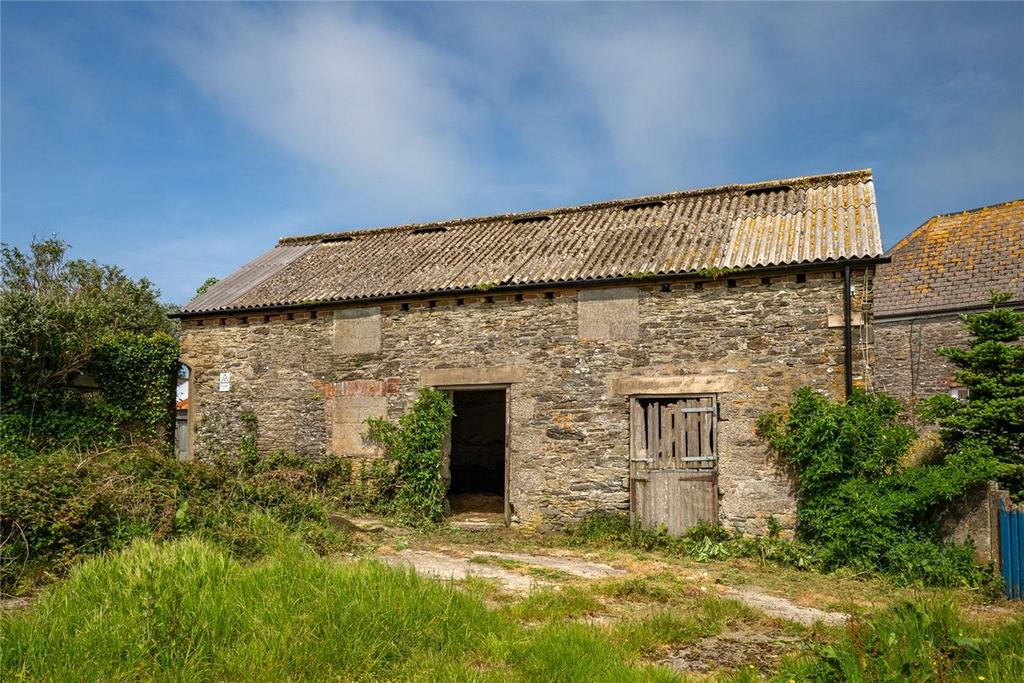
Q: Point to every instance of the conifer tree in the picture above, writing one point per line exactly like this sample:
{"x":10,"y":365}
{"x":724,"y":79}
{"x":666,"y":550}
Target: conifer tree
{"x":991,"y":368}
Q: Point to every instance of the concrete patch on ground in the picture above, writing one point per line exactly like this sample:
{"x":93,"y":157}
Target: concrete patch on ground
{"x":570,"y":565}
{"x":783,"y":608}
{"x":441,"y":566}
{"x":731,"y":652}
{"x":445,"y":566}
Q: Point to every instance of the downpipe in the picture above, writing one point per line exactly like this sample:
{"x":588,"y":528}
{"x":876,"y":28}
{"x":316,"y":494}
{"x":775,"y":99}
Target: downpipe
{"x":848,"y":330}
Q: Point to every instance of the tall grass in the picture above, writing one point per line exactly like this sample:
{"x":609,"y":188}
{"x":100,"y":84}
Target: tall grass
{"x":187,"y":611}
{"x":916,"y":641}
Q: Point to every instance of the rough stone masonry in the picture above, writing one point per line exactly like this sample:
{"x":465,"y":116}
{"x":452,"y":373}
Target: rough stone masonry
{"x":570,"y":359}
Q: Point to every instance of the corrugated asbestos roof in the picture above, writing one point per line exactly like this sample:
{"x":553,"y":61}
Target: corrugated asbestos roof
{"x":781,"y":222}
{"x":955,"y":261}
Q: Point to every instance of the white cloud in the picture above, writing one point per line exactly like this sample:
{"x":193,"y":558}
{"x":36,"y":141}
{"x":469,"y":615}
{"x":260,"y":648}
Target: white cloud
{"x":369,"y":102}
{"x":447,"y":109}
{"x":667,"y":90}
{"x":480,"y":100}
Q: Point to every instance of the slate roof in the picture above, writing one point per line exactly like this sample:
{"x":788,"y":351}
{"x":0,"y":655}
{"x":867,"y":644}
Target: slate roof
{"x":954,"y":261}
{"x":773,"y":223}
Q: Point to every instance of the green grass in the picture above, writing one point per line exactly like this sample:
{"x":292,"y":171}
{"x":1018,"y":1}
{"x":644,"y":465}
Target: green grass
{"x":502,"y":562}
{"x":186,"y":610}
{"x":643,"y":636}
{"x":550,"y":574}
{"x":919,"y":642}
{"x":550,"y":604}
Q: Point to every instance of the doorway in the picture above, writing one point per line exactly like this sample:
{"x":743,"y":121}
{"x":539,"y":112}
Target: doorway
{"x":477,"y":455}
{"x":674,"y":462}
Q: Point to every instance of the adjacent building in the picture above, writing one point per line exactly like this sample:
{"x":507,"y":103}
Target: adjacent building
{"x":612,"y":356}
{"x":948,"y":266}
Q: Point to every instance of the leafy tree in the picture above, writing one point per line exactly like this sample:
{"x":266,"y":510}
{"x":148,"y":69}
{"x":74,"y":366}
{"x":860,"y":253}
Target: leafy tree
{"x":210,"y":282}
{"x":991,"y":420}
{"x":54,"y":313}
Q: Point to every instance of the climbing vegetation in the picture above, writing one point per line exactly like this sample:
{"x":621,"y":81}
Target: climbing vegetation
{"x":858,"y":505}
{"x":411,"y":485}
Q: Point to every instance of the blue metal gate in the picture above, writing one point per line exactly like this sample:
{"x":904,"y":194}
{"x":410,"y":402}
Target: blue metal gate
{"x":1011,"y":550}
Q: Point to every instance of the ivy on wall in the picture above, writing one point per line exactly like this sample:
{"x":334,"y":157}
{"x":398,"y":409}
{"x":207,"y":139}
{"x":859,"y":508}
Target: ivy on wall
{"x":858,"y":505}
{"x":87,"y":354}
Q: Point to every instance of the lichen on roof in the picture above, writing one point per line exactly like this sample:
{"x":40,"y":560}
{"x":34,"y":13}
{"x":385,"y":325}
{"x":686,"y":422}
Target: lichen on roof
{"x":808,"y":219}
{"x":955,"y":260}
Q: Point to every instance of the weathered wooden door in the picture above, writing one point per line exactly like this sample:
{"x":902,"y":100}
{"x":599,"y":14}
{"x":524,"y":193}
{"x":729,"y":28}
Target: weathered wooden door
{"x":673,"y":462}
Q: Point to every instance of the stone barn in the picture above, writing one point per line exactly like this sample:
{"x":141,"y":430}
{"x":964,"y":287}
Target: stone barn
{"x":612,"y":356}
{"x":948,"y":266}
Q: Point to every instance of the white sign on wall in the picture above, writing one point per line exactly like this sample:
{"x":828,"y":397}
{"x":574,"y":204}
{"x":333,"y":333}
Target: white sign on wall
{"x":225,"y":381}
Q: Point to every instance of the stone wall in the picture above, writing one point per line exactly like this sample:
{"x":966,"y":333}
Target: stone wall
{"x":906,"y":365}
{"x":569,"y":373}
{"x":974,"y":517}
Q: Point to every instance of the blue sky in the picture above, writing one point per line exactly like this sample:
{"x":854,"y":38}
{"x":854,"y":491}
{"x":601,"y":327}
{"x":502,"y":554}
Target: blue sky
{"x":178,"y":141}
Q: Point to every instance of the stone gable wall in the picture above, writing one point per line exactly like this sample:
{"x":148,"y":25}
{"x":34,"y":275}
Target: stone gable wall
{"x":906,"y":365}
{"x":751,"y":342}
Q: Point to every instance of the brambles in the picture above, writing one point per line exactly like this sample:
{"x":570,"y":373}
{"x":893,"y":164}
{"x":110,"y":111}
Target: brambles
{"x":57,"y":507}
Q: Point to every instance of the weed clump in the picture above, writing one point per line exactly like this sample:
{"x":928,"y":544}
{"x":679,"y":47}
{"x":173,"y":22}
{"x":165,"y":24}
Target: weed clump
{"x":920,"y":641}
{"x":703,"y":542}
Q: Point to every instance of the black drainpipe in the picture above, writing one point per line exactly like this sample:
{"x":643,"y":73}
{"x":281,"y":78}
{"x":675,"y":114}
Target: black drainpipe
{"x":848,"y":330}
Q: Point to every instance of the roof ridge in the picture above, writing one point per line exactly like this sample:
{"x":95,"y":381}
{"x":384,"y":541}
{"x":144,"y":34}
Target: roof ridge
{"x":910,"y":235}
{"x":824,"y":178}
{"x":980,"y":208}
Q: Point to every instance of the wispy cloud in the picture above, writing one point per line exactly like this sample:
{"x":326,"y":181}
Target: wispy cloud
{"x":406,"y":116}
{"x":369,"y":102}
{"x":249,"y":121}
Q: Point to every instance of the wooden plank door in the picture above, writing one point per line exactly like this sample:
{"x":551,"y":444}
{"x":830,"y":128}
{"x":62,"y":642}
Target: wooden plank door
{"x":673,"y":462}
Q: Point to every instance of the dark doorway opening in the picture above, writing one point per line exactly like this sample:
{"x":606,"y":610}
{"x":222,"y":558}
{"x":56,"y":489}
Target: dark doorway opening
{"x":477,"y":463}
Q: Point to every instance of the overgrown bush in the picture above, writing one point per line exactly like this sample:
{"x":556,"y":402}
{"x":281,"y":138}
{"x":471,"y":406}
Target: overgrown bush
{"x":56,"y":507}
{"x":411,"y":484}
{"x":64,"y":318}
{"x":857,"y":505}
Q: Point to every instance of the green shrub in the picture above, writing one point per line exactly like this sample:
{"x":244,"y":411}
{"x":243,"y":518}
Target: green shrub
{"x":703,"y":542}
{"x":56,"y":507}
{"x":62,"y":318}
{"x":991,"y":368}
{"x":857,"y":505}
{"x":412,"y":487}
